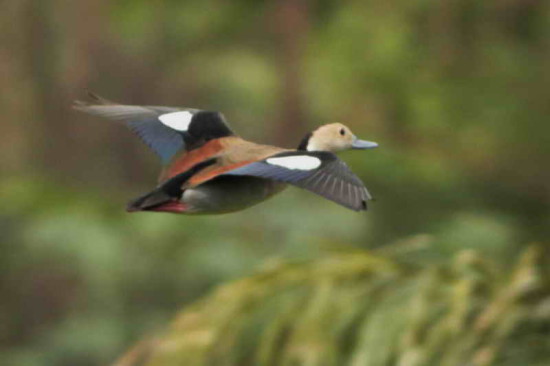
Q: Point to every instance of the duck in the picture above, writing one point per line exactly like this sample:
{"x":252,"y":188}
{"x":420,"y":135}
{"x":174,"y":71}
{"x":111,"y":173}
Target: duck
{"x":208,"y":169}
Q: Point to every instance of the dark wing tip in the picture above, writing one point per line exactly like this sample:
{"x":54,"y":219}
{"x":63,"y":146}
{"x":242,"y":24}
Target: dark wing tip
{"x":97,"y":99}
{"x":363,"y":206}
{"x":77,"y":104}
{"x":94,"y":100}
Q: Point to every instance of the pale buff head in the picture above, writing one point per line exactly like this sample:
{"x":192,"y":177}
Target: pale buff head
{"x":333,"y":137}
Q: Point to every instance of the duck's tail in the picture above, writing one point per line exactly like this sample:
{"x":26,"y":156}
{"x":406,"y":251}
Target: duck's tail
{"x":157,"y":201}
{"x":149,"y":200}
{"x":166,"y":197}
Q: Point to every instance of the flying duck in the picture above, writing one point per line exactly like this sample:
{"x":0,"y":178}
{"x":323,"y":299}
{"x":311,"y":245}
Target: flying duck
{"x":208,"y":169}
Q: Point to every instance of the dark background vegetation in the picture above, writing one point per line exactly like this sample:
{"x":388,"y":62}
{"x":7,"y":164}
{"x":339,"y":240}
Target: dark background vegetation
{"x":455,"y":92}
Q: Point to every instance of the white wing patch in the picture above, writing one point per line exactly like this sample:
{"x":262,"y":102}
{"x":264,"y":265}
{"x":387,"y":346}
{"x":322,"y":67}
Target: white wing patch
{"x":177,"y":120}
{"x":302,"y":162}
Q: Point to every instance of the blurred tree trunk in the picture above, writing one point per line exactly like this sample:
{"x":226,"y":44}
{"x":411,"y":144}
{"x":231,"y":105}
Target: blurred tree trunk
{"x":59,"y":58}
{"x":41,"y":46}
{"x":16,"y":99}
{"x":291,"y":24}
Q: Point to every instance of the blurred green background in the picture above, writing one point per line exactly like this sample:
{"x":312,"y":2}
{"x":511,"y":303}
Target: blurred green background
{"x":455,"y":92}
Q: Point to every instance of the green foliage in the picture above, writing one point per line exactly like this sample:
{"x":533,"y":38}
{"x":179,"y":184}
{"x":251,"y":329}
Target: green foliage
{"x":362,"y":309}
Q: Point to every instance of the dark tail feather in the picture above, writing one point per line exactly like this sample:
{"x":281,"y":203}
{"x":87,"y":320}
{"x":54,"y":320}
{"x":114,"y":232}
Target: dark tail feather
{"x":168,"y":191}
{"x":149,"y":200}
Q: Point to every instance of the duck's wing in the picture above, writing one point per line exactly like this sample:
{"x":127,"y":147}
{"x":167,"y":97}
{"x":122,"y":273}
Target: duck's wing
{"x":166,"y":130}
{"x":320,"y":172}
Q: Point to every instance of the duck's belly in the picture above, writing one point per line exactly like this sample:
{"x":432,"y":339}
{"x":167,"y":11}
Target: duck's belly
{"x":228,"y":194}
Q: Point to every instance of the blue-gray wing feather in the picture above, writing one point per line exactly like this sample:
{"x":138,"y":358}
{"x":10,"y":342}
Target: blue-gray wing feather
{"x":332,"y":179}
{"x":143,"y":120}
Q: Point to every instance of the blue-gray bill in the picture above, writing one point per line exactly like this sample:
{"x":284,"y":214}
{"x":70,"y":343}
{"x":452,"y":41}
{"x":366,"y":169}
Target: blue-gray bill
{"x":363,"y":144}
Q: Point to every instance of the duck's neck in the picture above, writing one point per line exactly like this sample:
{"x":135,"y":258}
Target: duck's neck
{"x":305,"y":142}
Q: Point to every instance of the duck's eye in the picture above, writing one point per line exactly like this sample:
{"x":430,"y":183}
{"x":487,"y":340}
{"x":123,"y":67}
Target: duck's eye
{"x":342,"y":132}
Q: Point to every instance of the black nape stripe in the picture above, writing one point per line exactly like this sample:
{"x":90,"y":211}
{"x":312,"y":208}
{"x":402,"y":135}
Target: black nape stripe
{"x":305,"y":142}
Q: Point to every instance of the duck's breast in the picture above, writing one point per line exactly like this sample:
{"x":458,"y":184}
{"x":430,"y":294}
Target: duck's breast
{"x":228,"y":194}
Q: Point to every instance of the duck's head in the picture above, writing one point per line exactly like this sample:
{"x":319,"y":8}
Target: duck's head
{"x":333,"y":137}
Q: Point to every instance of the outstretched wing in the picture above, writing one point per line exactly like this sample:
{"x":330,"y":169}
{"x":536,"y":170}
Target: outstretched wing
{"x":320,"y":172}
{"x":164,"y":129}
